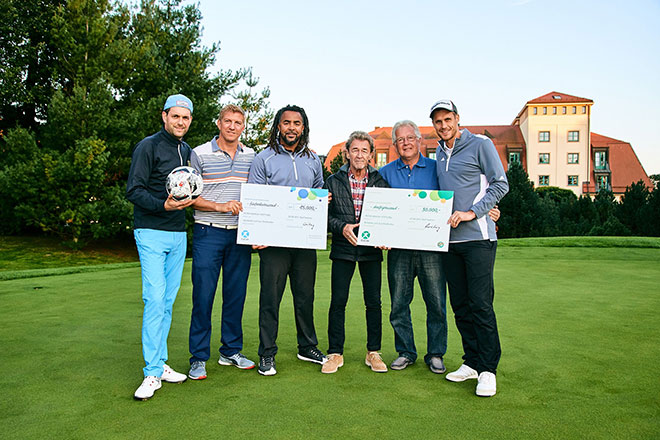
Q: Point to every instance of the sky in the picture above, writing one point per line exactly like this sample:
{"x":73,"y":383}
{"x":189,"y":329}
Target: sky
{"x":357,"y":65}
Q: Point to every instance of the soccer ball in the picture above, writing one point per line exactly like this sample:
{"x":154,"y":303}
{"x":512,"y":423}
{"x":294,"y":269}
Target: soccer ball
{"x":184,"y":183}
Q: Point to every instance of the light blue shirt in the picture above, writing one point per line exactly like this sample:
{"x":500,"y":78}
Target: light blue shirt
{"x":423,"y":174}
{"x":286,"y":169}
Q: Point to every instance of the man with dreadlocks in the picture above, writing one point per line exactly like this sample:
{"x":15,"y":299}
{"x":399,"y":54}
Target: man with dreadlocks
{"x":287,"y":161}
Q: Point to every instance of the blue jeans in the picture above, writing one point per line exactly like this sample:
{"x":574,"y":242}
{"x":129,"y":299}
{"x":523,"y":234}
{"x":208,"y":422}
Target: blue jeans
{"x":213,"y":249}
{"x":162,"y":254}
{"x":403,"y":266}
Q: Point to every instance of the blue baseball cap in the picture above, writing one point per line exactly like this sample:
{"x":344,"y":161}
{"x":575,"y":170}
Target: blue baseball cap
{"x":178,"y":101}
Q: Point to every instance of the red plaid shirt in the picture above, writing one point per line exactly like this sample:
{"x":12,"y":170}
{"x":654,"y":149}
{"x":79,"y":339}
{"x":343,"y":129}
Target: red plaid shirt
{"x":357,"y":192}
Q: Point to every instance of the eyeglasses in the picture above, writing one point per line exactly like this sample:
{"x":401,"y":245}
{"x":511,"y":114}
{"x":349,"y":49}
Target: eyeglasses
{"x":410,"y":139}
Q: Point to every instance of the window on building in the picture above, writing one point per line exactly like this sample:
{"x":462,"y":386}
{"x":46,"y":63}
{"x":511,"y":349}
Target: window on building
{"x":544,"y":136}
{"x":584,"y":109}
{"x":545,"y":110}
{"x":514,"y":156}
{"x":574,"y":110}
{"x":554,"y":110}
{"x":431,"y":154}
{"x":533,"y":110}
{"x":602,"y":182}
{"x":573,"y":157}
{"x":544,"y":180}
{"x":600,"y":160}
{"x":573,"y":136}
{"x":572,"y":180}
{"x":563,"y":110}
{"x":381,"y":159}
{"x":544,"y":157}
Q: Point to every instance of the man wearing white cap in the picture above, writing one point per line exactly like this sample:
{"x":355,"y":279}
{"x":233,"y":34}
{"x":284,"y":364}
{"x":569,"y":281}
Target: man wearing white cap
{"x":160,"y":236}
{"x":469,"y":165}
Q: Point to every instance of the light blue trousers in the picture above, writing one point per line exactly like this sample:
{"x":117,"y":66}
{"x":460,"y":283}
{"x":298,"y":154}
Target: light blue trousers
{"x":162,"y":254}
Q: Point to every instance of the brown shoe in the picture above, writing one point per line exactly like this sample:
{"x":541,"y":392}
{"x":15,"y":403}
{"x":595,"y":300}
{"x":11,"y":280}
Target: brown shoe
{"x":333,"y":363}
{"x":376,"y":363}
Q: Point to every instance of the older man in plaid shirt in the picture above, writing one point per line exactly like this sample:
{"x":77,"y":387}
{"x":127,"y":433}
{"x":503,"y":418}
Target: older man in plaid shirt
{"x":347,"y":187}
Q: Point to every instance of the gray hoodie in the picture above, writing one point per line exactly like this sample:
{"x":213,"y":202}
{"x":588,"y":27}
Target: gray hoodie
{"x":473,"y":170}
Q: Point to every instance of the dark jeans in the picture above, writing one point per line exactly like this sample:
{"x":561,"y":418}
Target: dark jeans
{"x":402,"y":267}
{"x":341,"y":276}
{"x":213,"y":249}
{"x":275,"y":264}
{"x":469,"y":268}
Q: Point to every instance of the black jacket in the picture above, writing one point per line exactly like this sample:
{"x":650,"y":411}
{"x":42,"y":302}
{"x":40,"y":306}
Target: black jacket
{"x":154,"y":157}
{"x":341,"y":212}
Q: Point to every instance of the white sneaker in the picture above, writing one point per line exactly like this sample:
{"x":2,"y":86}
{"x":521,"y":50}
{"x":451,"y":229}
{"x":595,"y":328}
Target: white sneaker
{"x":169,"y":375}
{"x":487,"y":384}
{"x":149,"y":386}
{"x":462,"y":374}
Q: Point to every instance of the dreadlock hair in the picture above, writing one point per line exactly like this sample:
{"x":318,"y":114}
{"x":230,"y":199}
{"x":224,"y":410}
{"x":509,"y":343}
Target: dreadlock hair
{"x":303,"y":146}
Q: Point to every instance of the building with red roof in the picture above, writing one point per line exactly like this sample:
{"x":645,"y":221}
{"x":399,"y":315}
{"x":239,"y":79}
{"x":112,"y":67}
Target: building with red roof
{"x":551,"y":138}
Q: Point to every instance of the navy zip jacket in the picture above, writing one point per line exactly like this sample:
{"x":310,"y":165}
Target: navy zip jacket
{"x":154,"y":157}
{"x":342,"y":212}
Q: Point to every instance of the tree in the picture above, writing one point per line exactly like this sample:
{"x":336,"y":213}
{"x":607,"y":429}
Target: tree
{"x":258,"y":115}
{"x":651,"y":213}
{"x":630,"y":210}
{"x":337,"y":162}
{"x":75,"y":112}
{"x":560,"y":215}
{"x":27,"y":53}
{"x":655,"y":178}
{"x":587,"y":216}
{"x":605,"y":204}
{"x":521,"y":213}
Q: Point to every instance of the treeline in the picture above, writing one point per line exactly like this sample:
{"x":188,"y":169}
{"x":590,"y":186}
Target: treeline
{"x":552,"y":211}
{"x":81,"y":82}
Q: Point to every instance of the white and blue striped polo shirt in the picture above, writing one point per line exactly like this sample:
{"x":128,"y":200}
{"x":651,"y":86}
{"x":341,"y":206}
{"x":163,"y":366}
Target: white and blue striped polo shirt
{"x":222,"y":178}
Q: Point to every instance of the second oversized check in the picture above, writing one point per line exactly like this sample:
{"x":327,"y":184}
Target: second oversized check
{"x":283,"y":216}
{"x":406,"y":218}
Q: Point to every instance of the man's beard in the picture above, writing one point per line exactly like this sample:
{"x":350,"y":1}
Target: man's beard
{"x":289,"y":143}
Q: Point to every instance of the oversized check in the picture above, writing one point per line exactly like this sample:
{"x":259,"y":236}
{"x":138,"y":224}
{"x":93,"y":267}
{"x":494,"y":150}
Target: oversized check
{"x":283,"y":216}
{"x":406,"y":219}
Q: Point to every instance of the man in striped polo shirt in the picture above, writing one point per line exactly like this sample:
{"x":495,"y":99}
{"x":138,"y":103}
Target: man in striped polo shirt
{"x":224,"y":164}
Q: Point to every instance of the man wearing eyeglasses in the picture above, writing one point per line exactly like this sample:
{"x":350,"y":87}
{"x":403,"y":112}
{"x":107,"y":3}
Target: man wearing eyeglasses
{"x":414,"y":171}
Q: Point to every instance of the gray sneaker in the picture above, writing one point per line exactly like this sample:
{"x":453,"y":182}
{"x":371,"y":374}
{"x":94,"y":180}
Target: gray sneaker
{"x":197,"y":370}
{"x":437,"y":365}
{"x":400,"y":363}
{"x":237,"y":360}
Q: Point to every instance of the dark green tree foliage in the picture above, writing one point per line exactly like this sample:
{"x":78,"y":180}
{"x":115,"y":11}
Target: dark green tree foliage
{"x":258,"y":115}
{"x":604,"y":203}
{"x":587,"y":216}
{"x":337,"y":162}
{"x":651,"y":214}
{"x":83,"y":82}
{"x":560,"y":211}
{"x":655,"y":178}
{"x":630,"y":211}
{"x":28,"y":62}
{"x":521,"y":211}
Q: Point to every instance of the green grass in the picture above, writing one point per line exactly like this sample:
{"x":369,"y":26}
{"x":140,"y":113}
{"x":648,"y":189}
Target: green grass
{"x":579,"y":331}
{"x":37,"y":252}
{"x":600,"y":242}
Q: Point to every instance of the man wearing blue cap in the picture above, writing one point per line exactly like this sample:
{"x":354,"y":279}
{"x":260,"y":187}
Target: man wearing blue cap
{"x":160,"y":236}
